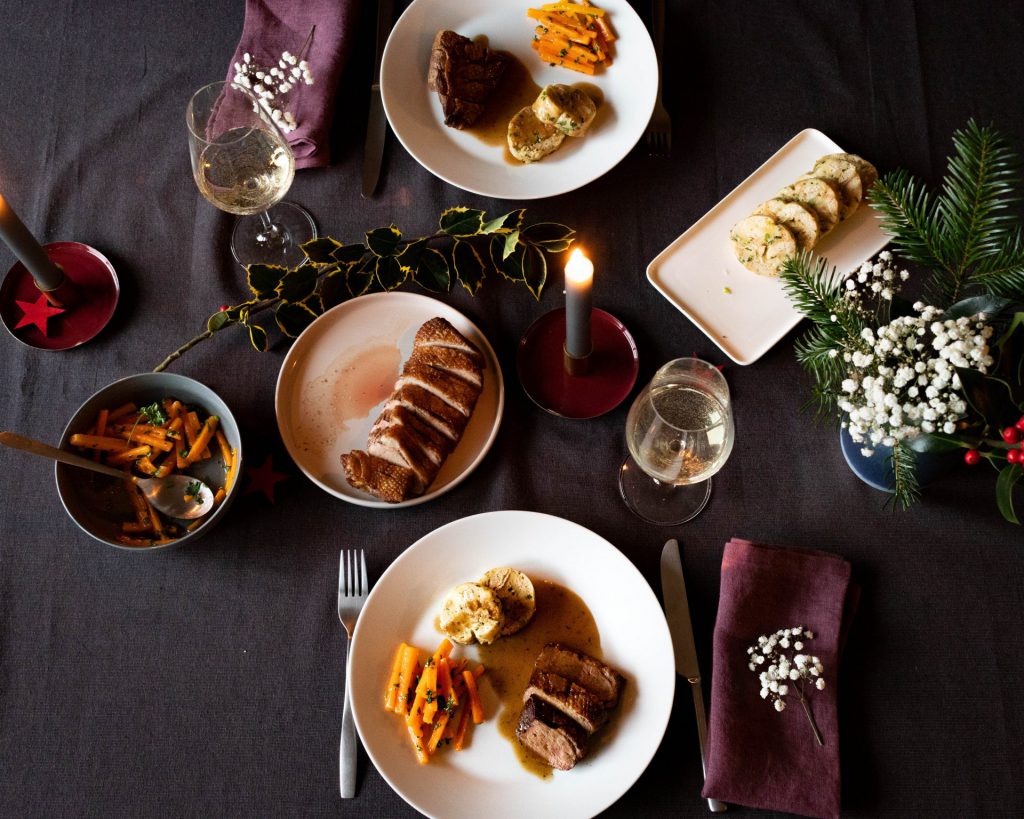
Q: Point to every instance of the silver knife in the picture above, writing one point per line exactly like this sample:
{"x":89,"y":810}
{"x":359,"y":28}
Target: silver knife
{"x":376,"y":125}
{"x":677,"y":612}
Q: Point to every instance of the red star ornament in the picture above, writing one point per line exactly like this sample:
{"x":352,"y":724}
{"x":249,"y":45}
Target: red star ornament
{"x":264,"y":479}
{"x":37,"y":313}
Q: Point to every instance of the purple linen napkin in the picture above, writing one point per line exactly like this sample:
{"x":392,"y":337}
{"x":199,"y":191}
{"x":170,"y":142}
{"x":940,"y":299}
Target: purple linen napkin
{"x":275,"y":26}
{"x":758,"y":756}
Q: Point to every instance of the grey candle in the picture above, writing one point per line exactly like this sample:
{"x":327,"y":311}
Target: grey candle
{"x":579,"y":281}
{"x":24,"y":245}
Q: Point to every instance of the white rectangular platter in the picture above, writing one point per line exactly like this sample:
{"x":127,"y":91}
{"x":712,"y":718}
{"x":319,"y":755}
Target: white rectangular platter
{"x":743,"y":313}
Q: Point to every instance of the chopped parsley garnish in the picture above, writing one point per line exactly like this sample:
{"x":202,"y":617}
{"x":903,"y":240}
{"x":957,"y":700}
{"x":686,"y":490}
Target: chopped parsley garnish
{"x":194,"y":488}
{"x":155,"y":414}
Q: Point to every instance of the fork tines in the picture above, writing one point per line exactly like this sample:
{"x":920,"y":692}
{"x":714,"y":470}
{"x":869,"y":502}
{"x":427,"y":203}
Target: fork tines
{"x":353,"y":580}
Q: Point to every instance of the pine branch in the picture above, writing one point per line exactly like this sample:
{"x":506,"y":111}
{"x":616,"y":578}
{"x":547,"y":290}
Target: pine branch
{"x":911,"y":217}
{"x":817,"y":292}
{"x":1002,"y":273}
{"x":905,"y":490}
{"x":976,"y":199}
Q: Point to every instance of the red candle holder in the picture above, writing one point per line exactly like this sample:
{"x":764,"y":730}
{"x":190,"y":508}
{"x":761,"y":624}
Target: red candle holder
{"x":577,"y":388}
{"x":89,"y":296}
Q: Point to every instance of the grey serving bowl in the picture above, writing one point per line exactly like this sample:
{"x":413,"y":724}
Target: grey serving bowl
{"x":98,"y":504}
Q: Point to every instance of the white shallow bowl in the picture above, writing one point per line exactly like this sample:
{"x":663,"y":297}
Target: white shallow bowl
{"x":486,"y":778}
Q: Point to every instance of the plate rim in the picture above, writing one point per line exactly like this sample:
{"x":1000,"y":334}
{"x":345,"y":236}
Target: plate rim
{"x":492,"y":191}
{"x":770,"y":339}
{"x":369,"y":502}
{"x":661,"y":625}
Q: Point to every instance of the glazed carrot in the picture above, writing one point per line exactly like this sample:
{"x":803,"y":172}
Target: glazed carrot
{"x":474,"y":696}
{"x":129,"y":455}
{"x":573,"y":8}
{"x":145,"y":465}
{"x":460,"y":733}
{"x":198,"y":448}
{"x":131,"y":527}
{"x":146,"y":438}
{"x":121,"y":412}
{"x":410,"y":658}
{"x":219,"y":496}
{"x":414,"y":719}
{"x":225,"y":450}
{"x":232,"y":471}
{"x":138,"y":503}
{"x":154,"y":516}
{"x":439,"y":727}
{"x":391,"y":694}
{"x":101,"y":430}
{"x":133,"y":541}
{"x":104,"y":443}
{"x":417,"y":744}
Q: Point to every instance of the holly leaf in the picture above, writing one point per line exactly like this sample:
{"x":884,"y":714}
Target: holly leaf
{"x":384,"y":241}
{"x":935,"y":443}
{"x":535,"y":270}
{"x":299,"y":284}
{"x":988,"y":305}
{"x":432,"y":271}
{"x":258,"y":337}
{"x":218,"y":320}
{"x":510,"y":266}
{"x":462,"y":221}
{"x":553,"y":237}
{"x":349,"y":255}
{"x":1008,"y":477}
{"x":358,"y":279}
{"x":989,"y":397}
{"x":293,"y":318}
{"x":390,"y":273}
{"x":511,"y":242}
{"x":320,"y":251}
{"x":511,"y":221}
{"x":264,"y":278}
{"x":469,"y":267}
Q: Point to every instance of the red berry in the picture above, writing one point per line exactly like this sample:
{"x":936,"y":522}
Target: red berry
{"x":971,"y":457}
{"x":1020,"y":424}
{"x":1011,"y":435}
{"x":1015,"y":456}
{"x":223,"y":308}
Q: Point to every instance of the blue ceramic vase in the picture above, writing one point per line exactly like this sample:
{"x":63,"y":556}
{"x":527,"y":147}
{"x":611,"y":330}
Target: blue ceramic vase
{"x":876,"y":472}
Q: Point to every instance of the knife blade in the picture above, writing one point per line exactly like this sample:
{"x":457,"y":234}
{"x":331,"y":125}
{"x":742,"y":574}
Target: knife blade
{"x":376,"y":123}
{"x":677,"y":613}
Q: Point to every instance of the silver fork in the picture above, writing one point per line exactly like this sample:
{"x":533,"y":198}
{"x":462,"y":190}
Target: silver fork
{"x":659,"y":129}
{"x":352,"y":590}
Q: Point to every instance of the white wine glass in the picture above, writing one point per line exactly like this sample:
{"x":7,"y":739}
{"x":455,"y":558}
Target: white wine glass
{"x":243,"y":164}
{"x":679,"y":432}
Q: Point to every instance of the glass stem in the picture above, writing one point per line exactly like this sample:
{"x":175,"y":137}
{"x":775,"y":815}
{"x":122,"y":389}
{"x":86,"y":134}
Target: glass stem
{"x":270,"y":235}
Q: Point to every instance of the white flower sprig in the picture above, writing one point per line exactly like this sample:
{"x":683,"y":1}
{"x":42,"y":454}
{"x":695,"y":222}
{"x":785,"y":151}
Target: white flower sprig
{"x":787,"y":671}
{"x":899,"y":378}
{"x":268,"y":83}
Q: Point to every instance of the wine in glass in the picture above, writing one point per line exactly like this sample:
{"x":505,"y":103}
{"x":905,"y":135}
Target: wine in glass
{"x":243,"y":164}
{"x":679,"y":432}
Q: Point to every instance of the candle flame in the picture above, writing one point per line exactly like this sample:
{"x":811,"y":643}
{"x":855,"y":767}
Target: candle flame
{"x":579,"y":269}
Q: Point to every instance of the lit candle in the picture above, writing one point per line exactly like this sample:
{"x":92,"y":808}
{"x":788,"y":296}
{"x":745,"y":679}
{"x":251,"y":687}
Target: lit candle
{"x":24,"y":245}
{"x":579,"y":282}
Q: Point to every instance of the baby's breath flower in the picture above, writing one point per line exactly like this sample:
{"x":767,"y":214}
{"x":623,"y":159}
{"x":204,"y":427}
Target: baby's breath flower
{"x":788,"y":675}
{"x":270,"y":82}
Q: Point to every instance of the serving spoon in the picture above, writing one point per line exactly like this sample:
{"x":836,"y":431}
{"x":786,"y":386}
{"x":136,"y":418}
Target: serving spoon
{"x":169,"y":495}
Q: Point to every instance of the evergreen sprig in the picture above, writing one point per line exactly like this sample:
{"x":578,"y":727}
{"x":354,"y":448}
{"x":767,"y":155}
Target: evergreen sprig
{"x":464,"y":250}
{"x":967,"y":235}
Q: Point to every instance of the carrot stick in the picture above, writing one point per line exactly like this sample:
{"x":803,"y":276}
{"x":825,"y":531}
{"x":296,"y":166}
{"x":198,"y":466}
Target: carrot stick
{"x":129,"y":455}
{"x":439,"y":727}
{"x":198,"y":448}
{"x":474,"y":697}
{"x":410,"y":657}
{"x":133,"y":527}
{"x":133,"y":541}
{"x":225,"y":450}
{"x":105,"y":444}
{"x":146,"y":438}
{"x":391,"y":694}
{"x":414,"y":719}
{"x":460,"y":734}
{"x":121,"y":412}
{"x":146,"y":466}
{"x":232,"y":471}
{"x":101,"y":430}
{"x":417,"y":744}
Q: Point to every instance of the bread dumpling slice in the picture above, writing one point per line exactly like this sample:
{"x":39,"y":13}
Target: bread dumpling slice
{"x":566,"y":108}
{"x":515,"y":590}
{"x":529,"y":139}
{"x":820,"y":195}
{"x":800,"y":219}
{"x":846,"y":177}
{"x":471,"y":613}
{"x":762,"y":245}
{"x":868,"y":172}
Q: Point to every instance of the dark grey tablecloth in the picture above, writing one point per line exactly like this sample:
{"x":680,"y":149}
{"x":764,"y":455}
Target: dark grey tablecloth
{"x":206,"y":681}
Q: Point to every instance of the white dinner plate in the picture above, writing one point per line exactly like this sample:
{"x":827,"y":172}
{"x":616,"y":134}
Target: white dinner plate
{"x":743,"y":313}
{"x":486,"y":779}
{"x":629,"y":87}
{"x":338,"y":373}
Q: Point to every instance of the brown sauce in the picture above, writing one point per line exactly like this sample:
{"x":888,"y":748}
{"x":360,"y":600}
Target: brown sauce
{"x":562,"y":617}
{"x":515,"y":91}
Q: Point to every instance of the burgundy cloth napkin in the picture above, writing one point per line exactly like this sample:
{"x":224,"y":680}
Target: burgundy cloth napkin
{"x":275,"y":26}
{"x":758,"y":756}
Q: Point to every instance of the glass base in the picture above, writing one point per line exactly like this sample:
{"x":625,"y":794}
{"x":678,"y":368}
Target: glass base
{"x":663,"y":504}
{"x":290,"y":227}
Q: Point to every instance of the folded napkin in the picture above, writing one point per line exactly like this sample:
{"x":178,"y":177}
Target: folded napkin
{"x":758,"y":756}
{"x":275,"y":26}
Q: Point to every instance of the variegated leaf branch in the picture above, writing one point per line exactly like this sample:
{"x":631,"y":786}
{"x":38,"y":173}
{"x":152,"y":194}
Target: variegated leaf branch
{"x":464,"y":250}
